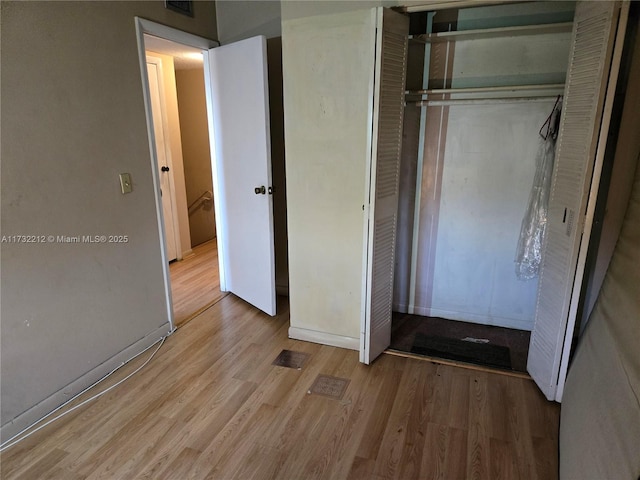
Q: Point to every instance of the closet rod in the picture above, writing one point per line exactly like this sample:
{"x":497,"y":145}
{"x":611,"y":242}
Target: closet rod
{"x":504,"y":88}
{"x":482,"y":101}
{"x":513,"y":31}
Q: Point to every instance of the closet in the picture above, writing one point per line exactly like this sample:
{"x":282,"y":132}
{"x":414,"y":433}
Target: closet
{"x":482,"y":81}
{"x":493,"y":75}
{"x":474,"y":114}
{"x":489,"y":90}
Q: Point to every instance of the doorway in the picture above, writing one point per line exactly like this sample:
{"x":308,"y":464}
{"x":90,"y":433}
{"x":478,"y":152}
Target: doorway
{"x":239,"y":139}
{"x":178,"y":105}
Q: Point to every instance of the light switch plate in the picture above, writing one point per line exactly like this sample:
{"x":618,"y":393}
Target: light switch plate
{"x":125,"y":183}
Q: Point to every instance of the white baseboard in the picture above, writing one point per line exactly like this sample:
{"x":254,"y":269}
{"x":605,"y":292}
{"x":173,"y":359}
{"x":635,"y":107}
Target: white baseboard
{"x":324,"y":338}
{"x":493,"y":320}
{"x":400,"y":308}
{"x":35,"y":413}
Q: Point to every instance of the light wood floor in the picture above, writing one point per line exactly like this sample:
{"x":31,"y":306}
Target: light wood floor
{"x":211,"y":405}
{"x":195,"y":282}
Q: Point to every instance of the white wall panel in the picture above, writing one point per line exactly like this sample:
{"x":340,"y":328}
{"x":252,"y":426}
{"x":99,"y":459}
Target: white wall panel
{"x":328,"y":66}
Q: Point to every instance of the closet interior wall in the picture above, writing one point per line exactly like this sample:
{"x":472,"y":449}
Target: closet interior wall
{"x":467,"y":170}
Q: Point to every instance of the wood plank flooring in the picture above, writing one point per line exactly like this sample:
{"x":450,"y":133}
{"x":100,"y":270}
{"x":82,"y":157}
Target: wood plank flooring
{"x":212,"y":405}
{"x":195,"y":282}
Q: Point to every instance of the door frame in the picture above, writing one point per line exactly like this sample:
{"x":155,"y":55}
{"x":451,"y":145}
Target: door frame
{"x":144,"y":26}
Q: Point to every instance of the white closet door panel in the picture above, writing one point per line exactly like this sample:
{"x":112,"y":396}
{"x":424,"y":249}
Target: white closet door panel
{"x":390,"y":75}
{"x":589,"y":63}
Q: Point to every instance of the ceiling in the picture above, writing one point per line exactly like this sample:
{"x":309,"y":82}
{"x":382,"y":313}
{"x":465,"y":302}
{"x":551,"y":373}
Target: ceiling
{"x":184,"y":56}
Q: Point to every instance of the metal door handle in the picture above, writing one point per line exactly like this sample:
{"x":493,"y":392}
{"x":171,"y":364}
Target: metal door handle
{"x":260,"y":190}
{"x":164,"y":168}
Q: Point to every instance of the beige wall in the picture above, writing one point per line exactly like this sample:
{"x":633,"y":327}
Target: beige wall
{"x":292,"y":9}
{"x":195,"y":152}
{"x":73,"y":118}
{"x":240,"y":19}
{"x":175,"y":147}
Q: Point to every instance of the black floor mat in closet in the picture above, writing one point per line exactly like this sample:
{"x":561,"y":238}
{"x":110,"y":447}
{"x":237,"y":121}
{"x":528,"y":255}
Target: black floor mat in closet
{"x":462,"y":351}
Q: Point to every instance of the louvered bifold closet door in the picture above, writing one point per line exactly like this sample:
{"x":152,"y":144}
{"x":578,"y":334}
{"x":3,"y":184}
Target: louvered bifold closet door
{"x":388,"y":111}
{"x":588,"y":71}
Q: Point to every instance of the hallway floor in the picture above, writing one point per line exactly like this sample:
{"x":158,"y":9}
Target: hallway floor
{"x":195,"y":282}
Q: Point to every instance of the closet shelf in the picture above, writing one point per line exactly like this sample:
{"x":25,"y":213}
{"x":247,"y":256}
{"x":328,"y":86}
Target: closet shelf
{"x":494,"y":32}
{"x":502,"y":88}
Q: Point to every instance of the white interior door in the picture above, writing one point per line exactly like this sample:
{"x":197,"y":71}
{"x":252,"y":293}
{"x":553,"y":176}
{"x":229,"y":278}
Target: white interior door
{"x":382,"y":195}
{"x":560,"y":276}
{"x":241,"y":166}
{"x":154,"y":70}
